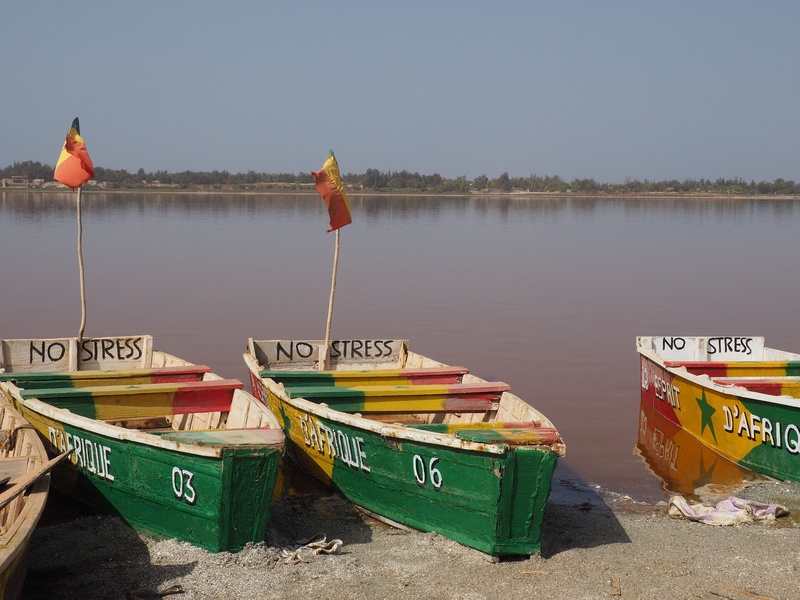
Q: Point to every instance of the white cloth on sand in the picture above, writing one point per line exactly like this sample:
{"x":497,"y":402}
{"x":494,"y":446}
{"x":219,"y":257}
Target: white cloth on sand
{"x":731,"y":511}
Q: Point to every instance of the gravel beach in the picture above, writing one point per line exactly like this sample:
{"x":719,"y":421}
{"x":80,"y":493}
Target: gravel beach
{"x":595,"y":545}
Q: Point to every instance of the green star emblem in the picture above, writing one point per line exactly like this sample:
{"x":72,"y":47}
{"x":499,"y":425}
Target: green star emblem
{"x":706,"y":411}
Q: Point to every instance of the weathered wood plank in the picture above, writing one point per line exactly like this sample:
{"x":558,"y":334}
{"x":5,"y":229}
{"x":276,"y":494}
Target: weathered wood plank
{"x":18,"y":485}
{"x":463,"y":397}
{"x":774,"y":386}
{"x":140,"y":401}
{"x":418,"y":376}
{"x":738,"y":368}
{"x":54,"y":379}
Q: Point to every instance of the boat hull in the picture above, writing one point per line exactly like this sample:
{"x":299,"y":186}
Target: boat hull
{"x":759,"y":432}
{"x":219,"y":500}
{"x":480,"y":492}
{"x":211,"y":487}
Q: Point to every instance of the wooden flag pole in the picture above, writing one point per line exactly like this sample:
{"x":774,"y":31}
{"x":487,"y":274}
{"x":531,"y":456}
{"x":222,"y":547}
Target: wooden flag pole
{"x":80,"y":269}
{"x":323,"y":358}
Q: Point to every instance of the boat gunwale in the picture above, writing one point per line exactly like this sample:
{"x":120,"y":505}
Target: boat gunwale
{"x":124,"y":434}
{"x":707,"y":382}
{"x":398,"y":430}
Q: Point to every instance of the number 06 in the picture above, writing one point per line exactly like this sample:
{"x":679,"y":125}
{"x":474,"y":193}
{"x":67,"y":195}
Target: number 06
{"x":432,"y":473}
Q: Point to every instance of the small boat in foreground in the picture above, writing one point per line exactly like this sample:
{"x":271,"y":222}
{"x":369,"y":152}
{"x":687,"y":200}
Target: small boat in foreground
{"x":733,"y":394}
{"x":173,"y":449}
{"x":411,"y":440}
{"x":24,"y":486}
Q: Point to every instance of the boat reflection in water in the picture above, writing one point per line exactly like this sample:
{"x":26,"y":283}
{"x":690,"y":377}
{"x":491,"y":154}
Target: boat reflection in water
{"x":684,"y":465}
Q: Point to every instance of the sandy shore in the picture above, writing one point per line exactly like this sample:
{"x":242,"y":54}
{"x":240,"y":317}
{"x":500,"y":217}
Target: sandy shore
{"x":595,"y":545}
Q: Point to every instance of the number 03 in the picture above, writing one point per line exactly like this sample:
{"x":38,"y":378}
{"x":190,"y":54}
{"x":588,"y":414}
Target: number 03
{"x":430,"y":473}
{"x":182,"y":485}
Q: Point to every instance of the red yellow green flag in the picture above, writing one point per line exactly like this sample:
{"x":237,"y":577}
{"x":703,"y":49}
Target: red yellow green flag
{"x":329,"y":186}
{"x":74,"y":167}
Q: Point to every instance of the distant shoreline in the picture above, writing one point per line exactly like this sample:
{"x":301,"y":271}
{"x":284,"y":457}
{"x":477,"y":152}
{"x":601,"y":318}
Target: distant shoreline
{"x":93,"y":190}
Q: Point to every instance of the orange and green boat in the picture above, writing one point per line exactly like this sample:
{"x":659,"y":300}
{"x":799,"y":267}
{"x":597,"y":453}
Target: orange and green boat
{"x":683,"y":464}
{"x":732,"y":394}
{"x":411,"y":440}
{"x":173,"y":449}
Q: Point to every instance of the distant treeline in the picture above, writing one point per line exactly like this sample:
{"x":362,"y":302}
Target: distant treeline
{"x":403,"y":181}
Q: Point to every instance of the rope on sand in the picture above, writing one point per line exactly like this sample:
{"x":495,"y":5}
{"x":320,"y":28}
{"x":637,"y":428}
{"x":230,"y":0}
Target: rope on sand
{"x":316,"y":545}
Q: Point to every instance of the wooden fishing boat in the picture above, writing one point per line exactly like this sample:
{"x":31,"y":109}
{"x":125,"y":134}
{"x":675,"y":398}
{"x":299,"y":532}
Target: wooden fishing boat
{"x":731,"y":393}
{"x":461,"y":456}
{"x":173,"y":449}
{"x":24,"y":486}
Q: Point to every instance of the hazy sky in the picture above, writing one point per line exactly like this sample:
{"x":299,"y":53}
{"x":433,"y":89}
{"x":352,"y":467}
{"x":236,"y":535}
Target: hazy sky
{"x":602,"y":89}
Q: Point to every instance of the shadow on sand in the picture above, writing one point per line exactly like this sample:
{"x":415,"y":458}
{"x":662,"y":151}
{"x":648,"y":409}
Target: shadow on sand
{"x":577,"y":517}
{"x":88,"y":557}
{"x":73,"y":555}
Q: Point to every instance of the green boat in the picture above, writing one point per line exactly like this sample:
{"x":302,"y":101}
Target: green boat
{"x":413,"y":441}
{"x":173,"y":449}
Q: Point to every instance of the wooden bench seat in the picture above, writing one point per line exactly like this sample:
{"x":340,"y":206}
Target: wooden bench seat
{"x":151,"y":400}
{"x":66,"y":379}
{"x":453,"y":427}
{"x":774,"y":386}
{"x":543,"y":436}
{"x":738,"y":368}
{"x":521,"y":433}
{"x":148,"y":424}
{"x":398,"y":418}
{"x":227,"y":437}
{"x":14,"y":466}
{"x":416,"y":376}
{"x":460,"y":397}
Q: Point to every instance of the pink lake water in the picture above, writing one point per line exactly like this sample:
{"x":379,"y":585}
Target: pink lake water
{"x":545,"y":294}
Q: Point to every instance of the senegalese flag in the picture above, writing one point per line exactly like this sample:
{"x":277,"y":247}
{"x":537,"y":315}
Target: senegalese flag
{"x":74,"y":167}
{"x":329,"y":186}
